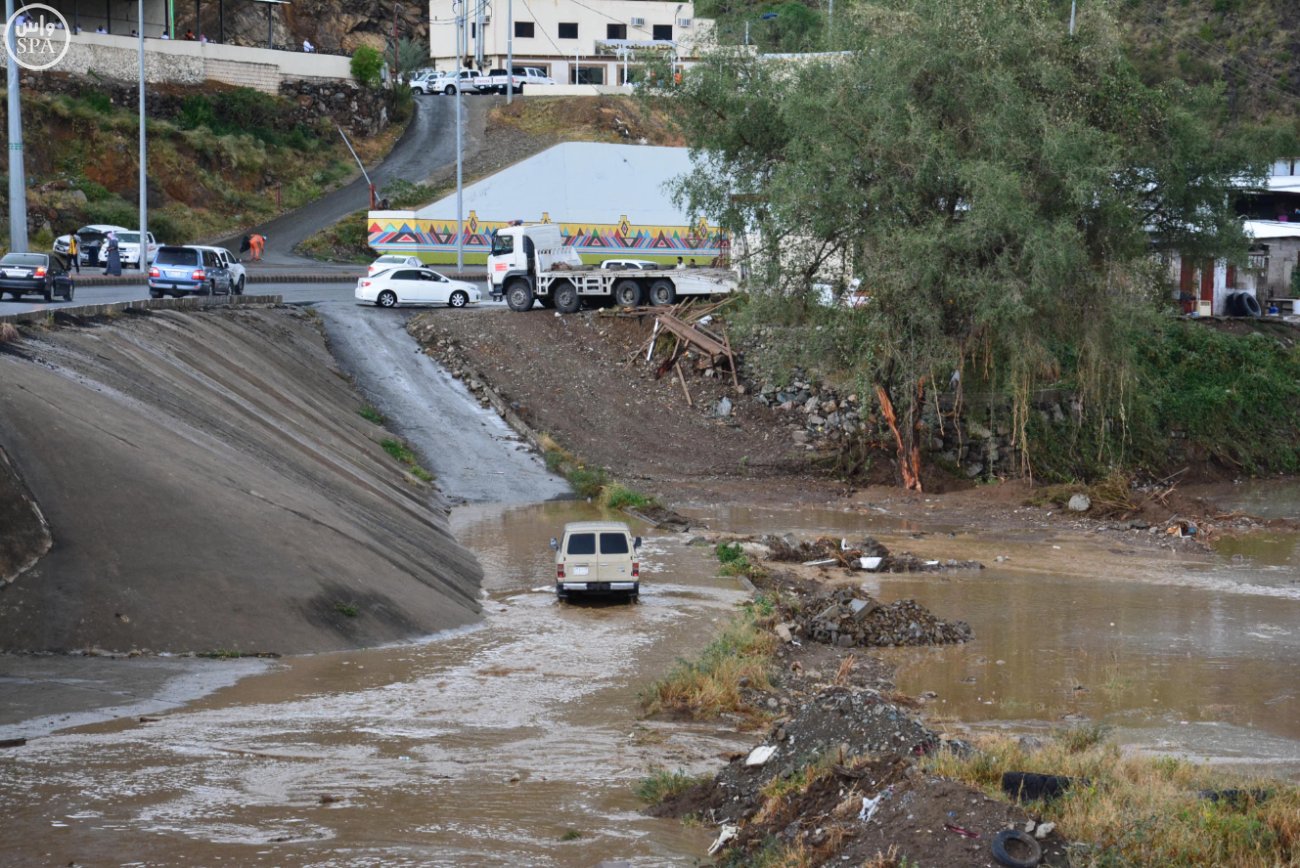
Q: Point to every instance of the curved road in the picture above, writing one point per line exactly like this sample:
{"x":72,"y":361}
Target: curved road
{"x":427,"y":145}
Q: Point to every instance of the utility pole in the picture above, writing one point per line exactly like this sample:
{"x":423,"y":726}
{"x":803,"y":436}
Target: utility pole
{"x":17,"y":172}
{"x":144,"y":176}
{"x":1072,"y":3}
{"x":479,"y":6}
{"x":460,"y":141}
{"x":510,"y":50}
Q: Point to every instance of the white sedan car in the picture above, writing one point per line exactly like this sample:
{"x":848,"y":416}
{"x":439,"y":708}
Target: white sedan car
{"x":415,"y":286}
{"x":393,"y":260}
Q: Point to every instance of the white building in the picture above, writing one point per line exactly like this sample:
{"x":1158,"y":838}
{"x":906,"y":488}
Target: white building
{"x":573,"y":41}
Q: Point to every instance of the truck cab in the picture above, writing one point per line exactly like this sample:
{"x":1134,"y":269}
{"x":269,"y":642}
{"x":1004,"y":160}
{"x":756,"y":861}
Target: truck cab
{"x":520,"y":252}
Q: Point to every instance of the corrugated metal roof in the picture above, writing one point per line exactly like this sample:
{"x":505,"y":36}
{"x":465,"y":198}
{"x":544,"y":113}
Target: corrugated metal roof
{"x":578,"y":182}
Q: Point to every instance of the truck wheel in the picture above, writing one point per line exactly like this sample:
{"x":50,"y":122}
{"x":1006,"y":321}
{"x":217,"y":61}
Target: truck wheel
{"x":628,"y":293}
{"x":519,"y":296}
{"x":449,"y":90}
{"x":566,"y":297}
{"x":663,"y":292}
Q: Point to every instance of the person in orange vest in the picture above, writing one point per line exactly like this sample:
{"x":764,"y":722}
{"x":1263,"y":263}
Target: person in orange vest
{"x":257,"y":243}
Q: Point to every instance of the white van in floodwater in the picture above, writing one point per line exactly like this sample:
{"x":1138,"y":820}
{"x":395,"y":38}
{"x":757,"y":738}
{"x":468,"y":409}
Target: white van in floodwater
{"x":597,"y":557}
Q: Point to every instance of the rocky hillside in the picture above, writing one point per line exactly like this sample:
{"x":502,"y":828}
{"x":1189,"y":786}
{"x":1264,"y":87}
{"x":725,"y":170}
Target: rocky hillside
{"x":220,"y":158}
{"x":339,"y":26}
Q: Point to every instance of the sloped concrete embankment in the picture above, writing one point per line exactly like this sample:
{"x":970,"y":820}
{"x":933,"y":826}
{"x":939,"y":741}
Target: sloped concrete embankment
{"x":208,"y":485}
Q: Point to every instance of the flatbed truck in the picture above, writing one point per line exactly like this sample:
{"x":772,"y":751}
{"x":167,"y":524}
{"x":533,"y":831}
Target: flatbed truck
{"x":530,"y":263}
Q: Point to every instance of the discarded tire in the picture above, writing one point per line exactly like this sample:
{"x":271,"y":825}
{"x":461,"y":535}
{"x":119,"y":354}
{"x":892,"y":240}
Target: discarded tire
{"x":1030,"y":787}
{"x":1030,"y":854}
{"x":1248,"y":304}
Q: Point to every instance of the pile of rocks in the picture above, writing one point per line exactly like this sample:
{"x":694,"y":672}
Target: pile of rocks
{"x":850,"y":618}
{"x":868,"y":554}
{"x":822,"y":416}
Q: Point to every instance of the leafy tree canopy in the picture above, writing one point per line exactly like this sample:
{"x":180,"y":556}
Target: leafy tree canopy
{"x":998,"y":186}
{"x":366,"y":65}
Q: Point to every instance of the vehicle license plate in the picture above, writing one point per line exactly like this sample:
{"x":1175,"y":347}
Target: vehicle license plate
{"x":580,"y":571}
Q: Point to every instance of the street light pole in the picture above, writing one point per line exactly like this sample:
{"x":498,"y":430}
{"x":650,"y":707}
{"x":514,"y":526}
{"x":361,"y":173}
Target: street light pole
{"x":460,"y":142}
{"x":1072,"y":2}
{"x":144,"y":187}
{"x":510,"y":50}
{"x":17,"y":172}
{"x":396,"y":7}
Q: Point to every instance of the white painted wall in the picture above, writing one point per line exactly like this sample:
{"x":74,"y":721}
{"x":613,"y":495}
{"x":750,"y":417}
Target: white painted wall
{"x":182,"y":62}
{"x":556,"y":55}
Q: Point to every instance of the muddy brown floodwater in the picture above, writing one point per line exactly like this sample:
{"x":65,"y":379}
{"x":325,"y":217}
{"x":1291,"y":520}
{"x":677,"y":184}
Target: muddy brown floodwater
{"x":516,"y":743}
{"x":1190,"y":654}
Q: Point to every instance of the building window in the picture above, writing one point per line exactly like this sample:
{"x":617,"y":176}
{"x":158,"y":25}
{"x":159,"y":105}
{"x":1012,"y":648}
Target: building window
{"x":663,"y":31}
{"x":616,"y":31}
{"x":523,"y":29}
{"x":568,"y":30}
{"x":590,"y":75}
{"x":473,"y":30}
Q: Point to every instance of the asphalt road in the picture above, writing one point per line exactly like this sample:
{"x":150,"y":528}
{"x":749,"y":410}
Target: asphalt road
{"x":428,"y":144}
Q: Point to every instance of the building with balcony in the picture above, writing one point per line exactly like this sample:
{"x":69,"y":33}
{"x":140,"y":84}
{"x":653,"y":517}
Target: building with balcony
{"x":596,"y":42}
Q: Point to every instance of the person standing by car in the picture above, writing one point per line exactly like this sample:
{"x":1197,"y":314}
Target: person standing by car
{"x":112,"y":258}
{"x":74,"y":252}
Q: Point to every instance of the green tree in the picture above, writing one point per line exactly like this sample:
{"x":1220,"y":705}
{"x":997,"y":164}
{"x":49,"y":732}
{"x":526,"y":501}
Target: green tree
{"x":999,"y":187}
{"x":411,"y":55}
{"x":366,"y":66}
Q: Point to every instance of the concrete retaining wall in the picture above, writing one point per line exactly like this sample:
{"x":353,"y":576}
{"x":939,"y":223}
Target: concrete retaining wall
{"x":117,"y":307}
{"x":182,"y":62}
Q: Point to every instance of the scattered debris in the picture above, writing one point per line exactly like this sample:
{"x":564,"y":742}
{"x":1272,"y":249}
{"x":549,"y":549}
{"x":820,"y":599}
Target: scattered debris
{"x":850,"y":618}
{"x":760,"y":755}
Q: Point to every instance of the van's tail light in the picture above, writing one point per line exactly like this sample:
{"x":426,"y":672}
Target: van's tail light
{"x":40,"y":271}
{"x":199,"y":274}
{"x":559,"y":571}
{"x":154,"y":272}
{"x":636,"y":569}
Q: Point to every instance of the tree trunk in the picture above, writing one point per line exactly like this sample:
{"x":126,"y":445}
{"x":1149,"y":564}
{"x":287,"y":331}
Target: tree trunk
{"x":909,"y":453}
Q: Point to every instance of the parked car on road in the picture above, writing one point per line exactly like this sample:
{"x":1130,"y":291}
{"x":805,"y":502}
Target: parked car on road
{"x":429,"y":81}
{"x":35,"y":274}
{"x":623,"y":264}
{"x":389,"y":261}
{"x":178,"y":270}
{"x":597,"y":557}
{"x":415,"y":286}
{"x":533,"y":75}
{"x":128,"y":248}
{"x":89,"y":238}
{"x":238,"y":274}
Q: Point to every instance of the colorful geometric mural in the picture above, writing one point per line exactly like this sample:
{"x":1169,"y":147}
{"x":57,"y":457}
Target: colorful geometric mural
{"x":435,"y":240}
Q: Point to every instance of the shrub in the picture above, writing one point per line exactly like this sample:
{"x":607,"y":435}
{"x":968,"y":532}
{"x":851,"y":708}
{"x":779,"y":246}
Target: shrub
{"x":366,"y":64}
{"x":661,"y":785}
{"x":711,"y":685}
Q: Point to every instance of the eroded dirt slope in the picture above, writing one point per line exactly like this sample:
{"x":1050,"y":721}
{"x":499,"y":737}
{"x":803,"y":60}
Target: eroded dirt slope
{"x":209,"y":485}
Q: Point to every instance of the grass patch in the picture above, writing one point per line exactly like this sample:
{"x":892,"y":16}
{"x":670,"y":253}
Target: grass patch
{"x":370,"y":414}
{"x":403,"y":455}
{"x":346,"y":609}
{"x":570,"y":835}
{"x":617,"y":496}
{"x":661,"y":785}
{"x":590,"y":482}
{"x":711,"y":685}
{"x":734,"y":562}
{"x":1143,"y":811}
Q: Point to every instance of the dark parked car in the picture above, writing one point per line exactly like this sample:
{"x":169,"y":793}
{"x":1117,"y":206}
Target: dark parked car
{"x":35,"y":274}
{"x":177,"y":270}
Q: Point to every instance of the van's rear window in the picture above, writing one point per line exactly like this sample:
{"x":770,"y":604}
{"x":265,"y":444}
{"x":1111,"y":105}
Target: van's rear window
{"x":582,"y":544}
{"x":176,"y":256}
{"x":613,"y":544}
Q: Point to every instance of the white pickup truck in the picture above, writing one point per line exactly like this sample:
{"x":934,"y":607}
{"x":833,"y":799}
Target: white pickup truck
{"x":531,"y":263}
{"x":470,"y":81}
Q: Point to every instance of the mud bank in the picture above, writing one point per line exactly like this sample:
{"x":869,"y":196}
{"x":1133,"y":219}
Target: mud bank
{"x":209,"y":485}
